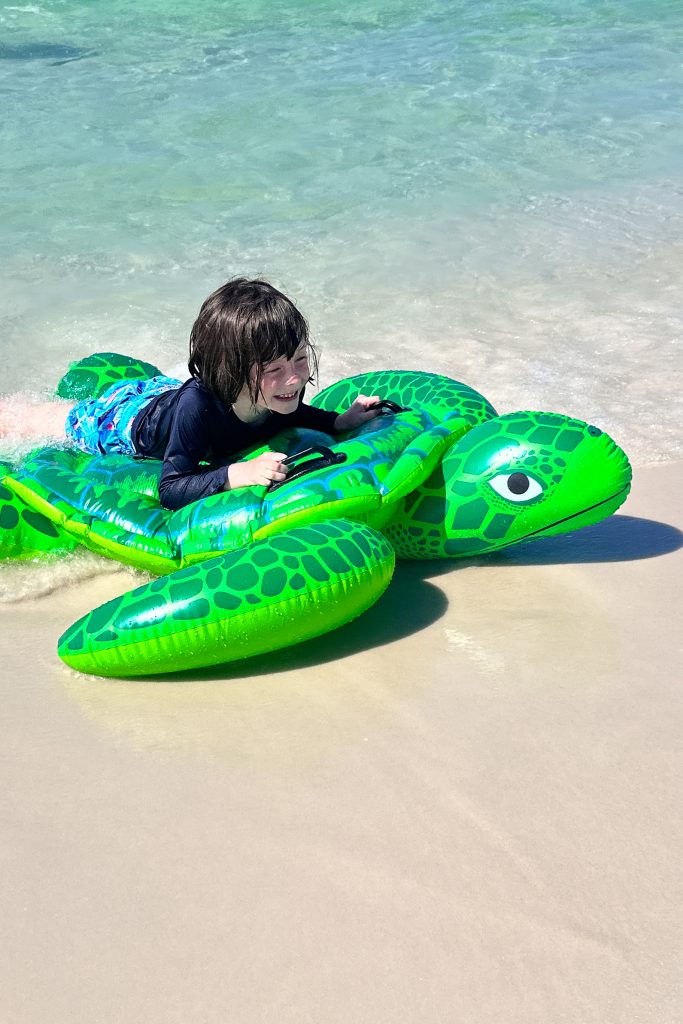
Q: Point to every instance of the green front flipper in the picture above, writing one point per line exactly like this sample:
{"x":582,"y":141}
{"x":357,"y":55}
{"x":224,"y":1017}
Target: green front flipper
{"x":275,"y":593}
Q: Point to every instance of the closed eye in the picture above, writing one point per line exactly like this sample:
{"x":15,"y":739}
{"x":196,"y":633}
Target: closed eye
{"x":517,"y":487}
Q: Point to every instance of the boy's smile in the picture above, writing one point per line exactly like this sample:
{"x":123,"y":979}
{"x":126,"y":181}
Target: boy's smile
{"x":280,"y":387}
{"x":283,"y":380}
{"x":289,"y":397}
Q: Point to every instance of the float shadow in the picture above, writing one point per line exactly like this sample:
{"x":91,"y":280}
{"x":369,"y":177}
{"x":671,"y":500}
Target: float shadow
{"x":408,"y":606}
{"x":617,"y":539}
{"x":412,"y":603}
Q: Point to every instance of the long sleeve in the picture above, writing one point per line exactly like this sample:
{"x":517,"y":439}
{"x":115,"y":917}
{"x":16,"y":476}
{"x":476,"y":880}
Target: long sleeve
{"x":183,"y":480}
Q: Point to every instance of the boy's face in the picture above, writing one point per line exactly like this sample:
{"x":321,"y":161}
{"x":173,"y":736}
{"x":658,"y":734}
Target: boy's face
{"x":282,"y":382}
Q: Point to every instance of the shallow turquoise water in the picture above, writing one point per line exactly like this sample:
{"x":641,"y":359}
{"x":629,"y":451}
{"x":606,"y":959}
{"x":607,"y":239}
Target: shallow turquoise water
{"x":487,"y":189}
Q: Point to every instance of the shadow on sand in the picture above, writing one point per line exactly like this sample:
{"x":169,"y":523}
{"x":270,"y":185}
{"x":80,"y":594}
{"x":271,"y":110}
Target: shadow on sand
{"x":617,"y":539}
{"x":411,"y":603}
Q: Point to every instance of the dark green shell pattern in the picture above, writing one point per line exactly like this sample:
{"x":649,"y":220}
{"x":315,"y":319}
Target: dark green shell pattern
{"x":251,"y":570}
{"x":89,"y":377}
{"x":277,"y":592}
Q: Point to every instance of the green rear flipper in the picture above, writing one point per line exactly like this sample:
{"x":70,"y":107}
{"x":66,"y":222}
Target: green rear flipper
{"x":89,"y":377}
{"x":275,"y":593}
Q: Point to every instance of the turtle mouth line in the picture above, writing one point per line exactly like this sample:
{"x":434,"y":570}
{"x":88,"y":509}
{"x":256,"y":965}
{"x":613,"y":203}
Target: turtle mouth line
{"x":574,"y":515}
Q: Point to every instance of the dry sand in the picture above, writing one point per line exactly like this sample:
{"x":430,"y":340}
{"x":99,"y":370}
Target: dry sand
{"x":464,"y":807}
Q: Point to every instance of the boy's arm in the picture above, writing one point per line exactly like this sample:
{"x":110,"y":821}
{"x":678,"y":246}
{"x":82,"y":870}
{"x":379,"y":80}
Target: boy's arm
{"x":183,"y":480}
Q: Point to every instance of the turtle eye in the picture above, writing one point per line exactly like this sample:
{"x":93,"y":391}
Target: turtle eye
{"x":516,"y":486}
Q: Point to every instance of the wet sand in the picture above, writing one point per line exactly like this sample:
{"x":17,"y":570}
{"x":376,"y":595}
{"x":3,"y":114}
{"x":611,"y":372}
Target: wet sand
{"x":463,"y":807}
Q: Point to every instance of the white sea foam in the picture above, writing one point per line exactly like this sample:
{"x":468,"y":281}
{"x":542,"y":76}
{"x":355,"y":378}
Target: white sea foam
{"x":29,"y":580}
{"x":492,"y":193}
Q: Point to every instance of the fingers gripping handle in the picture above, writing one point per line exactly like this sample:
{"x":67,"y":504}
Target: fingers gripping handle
{"x":326,"y":457}
{"x":386,"y":406}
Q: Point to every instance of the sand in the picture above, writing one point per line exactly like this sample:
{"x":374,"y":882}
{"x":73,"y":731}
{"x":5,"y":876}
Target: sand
{"x":464,"y":807}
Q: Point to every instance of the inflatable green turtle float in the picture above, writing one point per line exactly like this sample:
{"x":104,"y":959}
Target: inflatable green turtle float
{"x":438,"y":475}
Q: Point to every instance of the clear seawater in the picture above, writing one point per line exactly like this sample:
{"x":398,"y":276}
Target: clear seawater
{"x":491,"y":189}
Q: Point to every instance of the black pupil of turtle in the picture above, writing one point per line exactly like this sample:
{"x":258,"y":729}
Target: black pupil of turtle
{"x":518,"y":483}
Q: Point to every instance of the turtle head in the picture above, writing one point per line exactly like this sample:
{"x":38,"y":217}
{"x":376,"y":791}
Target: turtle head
{"x":524,"y":475}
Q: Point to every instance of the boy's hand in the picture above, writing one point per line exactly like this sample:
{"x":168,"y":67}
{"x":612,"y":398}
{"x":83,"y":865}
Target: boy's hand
{"x":258,"y":472}
{"x":357,"y":413}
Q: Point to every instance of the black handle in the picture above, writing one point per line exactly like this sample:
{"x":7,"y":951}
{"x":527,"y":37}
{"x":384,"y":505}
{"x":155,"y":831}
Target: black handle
{"x":386,"y":406}
{"x":326,"y":458}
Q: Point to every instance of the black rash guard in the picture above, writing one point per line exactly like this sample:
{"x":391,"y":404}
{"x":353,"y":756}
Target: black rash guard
{"x":188,"y":425}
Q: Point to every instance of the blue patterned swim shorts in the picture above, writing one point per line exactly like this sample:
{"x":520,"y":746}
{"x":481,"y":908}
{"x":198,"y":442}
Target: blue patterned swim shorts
{"x":103,"y":425}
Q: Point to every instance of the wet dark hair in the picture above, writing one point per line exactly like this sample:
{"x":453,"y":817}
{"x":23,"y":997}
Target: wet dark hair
{"x":241,"y":325}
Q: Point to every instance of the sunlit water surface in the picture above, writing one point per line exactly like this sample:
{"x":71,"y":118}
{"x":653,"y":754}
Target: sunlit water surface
{"x":492,"y":190}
